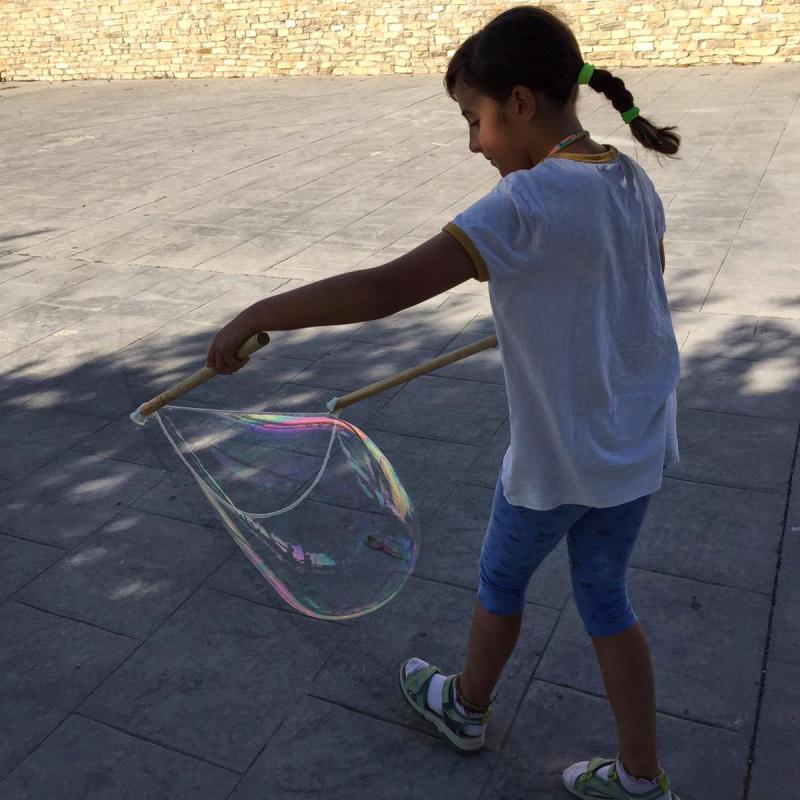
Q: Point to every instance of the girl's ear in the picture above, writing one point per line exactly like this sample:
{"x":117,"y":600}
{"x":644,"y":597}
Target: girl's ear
{"x":523,"y":103}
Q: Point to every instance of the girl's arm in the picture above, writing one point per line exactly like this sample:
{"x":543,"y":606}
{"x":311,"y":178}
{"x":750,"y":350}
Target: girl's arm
{"x":428,"y":270}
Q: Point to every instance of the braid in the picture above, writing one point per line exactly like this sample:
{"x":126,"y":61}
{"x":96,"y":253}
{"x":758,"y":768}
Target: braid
{"x":613,"y":88}
{"x":660,"y":139}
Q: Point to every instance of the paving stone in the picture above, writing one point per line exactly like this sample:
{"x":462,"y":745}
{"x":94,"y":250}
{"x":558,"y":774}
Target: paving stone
{"x":485,"y":470}
{"x":427,"y":620}
{"x":89,"y":761}
{"x":21,"y":561}
{"x":131,"y":574}
{"x":707,"y":643}
{"x":734,"y":450}
{"x":30,"y":439}
{"x":557,"y":726}
{"x":306,"y":759}
{"x":178,"y":496}
{"x":49,"y":666}
{"x":431,"y":325}
{"x":191,"y":251}
{"x":71,"y":497}
{"x":777,"y":745}
{"x":468,"y":412}
{"x":699,"y":544}
{"x":353,"y":365}
{"x":785,"y":645}
{"x":210,"y":682}
{"x":427,"y":468}
{"x":687,"y":288}
{"x":751,"y":294}
{"x":739,"y":386}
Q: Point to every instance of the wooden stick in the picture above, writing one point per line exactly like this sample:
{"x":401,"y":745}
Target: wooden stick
{"x":194,"y":380}
{"x":339,"y":403}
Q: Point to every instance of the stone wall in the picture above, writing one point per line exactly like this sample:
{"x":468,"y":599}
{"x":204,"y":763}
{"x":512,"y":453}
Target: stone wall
{"x":73,"y":39}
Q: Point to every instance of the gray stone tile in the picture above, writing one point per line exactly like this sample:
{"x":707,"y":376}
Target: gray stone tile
{"x":191,"y":251}
{"x":72,"y":497}
{"x":178,"y":496}
{"x":21,"y":561}
{"x":131,"y":574}
{"x":431,"y":325}
{"x":462,"y":411}
{"x":738,"y":386}
{"x":123,"y":440}
{"x":563,"y":726}
{"x":692,"y":530}
{"x":777,"y":744}
{"x":733,"y":450}
{"x":687,"y":287}
{"x":49,"y":666}
{"x":217,"y":679}
{"x":704,"y":255}
{"x":306,"y":759}
{"x":741,"y":293}
{"x":16,"y":295}
{"x":30,"y":439}
{"x":707,"y":643}
{"x":427,"y":620}
{"x":353,"y":365}
{"x":89,"y":761}
{"x":36,"y":320}
{"x":260,"y":253}
{"x":485,"y":470}
{"x":785,"y":645}
{"x":428,"y":468}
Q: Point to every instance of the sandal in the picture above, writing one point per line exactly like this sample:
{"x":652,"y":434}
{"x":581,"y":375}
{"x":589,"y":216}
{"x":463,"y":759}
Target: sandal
{"x":582,"y":780}
{"x":450,"y":723}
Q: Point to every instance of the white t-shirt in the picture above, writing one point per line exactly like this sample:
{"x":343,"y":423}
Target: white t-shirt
{"x":571,"y":252}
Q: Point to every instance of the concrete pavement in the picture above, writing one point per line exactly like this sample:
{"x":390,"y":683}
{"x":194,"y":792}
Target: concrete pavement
{"x":143,"y":657}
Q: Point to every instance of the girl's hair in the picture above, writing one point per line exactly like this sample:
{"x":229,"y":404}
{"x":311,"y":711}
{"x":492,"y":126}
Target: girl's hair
{"x":532,"y":47}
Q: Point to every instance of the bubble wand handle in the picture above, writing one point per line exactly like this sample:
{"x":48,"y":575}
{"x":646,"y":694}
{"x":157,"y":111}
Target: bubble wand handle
{"x":338,"y":403}
{"x":194,"y":380}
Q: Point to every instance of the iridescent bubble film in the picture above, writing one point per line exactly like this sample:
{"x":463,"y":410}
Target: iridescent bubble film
{"x":311,"y":500}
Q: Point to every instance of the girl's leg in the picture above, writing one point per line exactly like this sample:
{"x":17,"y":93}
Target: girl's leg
{"x":492,"y":639}
{"x":627,"y":670}
{"x":517,"y":541}
{"x":600,"y":545}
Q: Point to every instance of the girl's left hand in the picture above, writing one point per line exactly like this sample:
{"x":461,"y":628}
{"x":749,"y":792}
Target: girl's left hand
{"x":222,"y":356}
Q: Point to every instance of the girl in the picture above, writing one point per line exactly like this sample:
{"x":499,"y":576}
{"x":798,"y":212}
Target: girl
{"x":570,"y":241}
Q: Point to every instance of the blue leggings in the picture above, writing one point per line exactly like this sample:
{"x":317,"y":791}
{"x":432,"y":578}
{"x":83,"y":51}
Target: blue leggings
{"x":600,"y":543}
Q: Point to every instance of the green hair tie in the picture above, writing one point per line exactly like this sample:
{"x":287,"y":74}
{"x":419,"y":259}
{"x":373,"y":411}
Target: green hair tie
{"x":630,"y":115}
{"x":585,"y":75}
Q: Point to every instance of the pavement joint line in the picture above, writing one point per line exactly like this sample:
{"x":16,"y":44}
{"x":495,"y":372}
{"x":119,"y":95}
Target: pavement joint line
{"x":774,"y":597}
{"x":659,"y":711}
{"x":283,"y":608}
{"x":376,"y":717}
{"x":701,"y":581}
{"x":155,"y":742}
{"x":740,"y":413}
{"x":61,"y":615}
{"x":776,"y":492}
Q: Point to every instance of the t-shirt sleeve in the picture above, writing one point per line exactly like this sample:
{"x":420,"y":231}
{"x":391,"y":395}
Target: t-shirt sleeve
{"x":496,"y":232}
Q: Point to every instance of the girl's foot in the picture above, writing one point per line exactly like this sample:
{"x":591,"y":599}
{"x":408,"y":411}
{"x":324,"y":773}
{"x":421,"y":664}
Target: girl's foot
{"x":606,"y":779}
{"x":433,"y":696}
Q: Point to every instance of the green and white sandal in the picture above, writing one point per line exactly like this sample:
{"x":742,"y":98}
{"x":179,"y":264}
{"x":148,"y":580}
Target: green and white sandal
{"x":582,"y":780}
{"x":450,"y":723}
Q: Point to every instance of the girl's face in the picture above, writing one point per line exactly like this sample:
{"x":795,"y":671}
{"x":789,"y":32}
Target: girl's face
{"x":500,"y":137}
